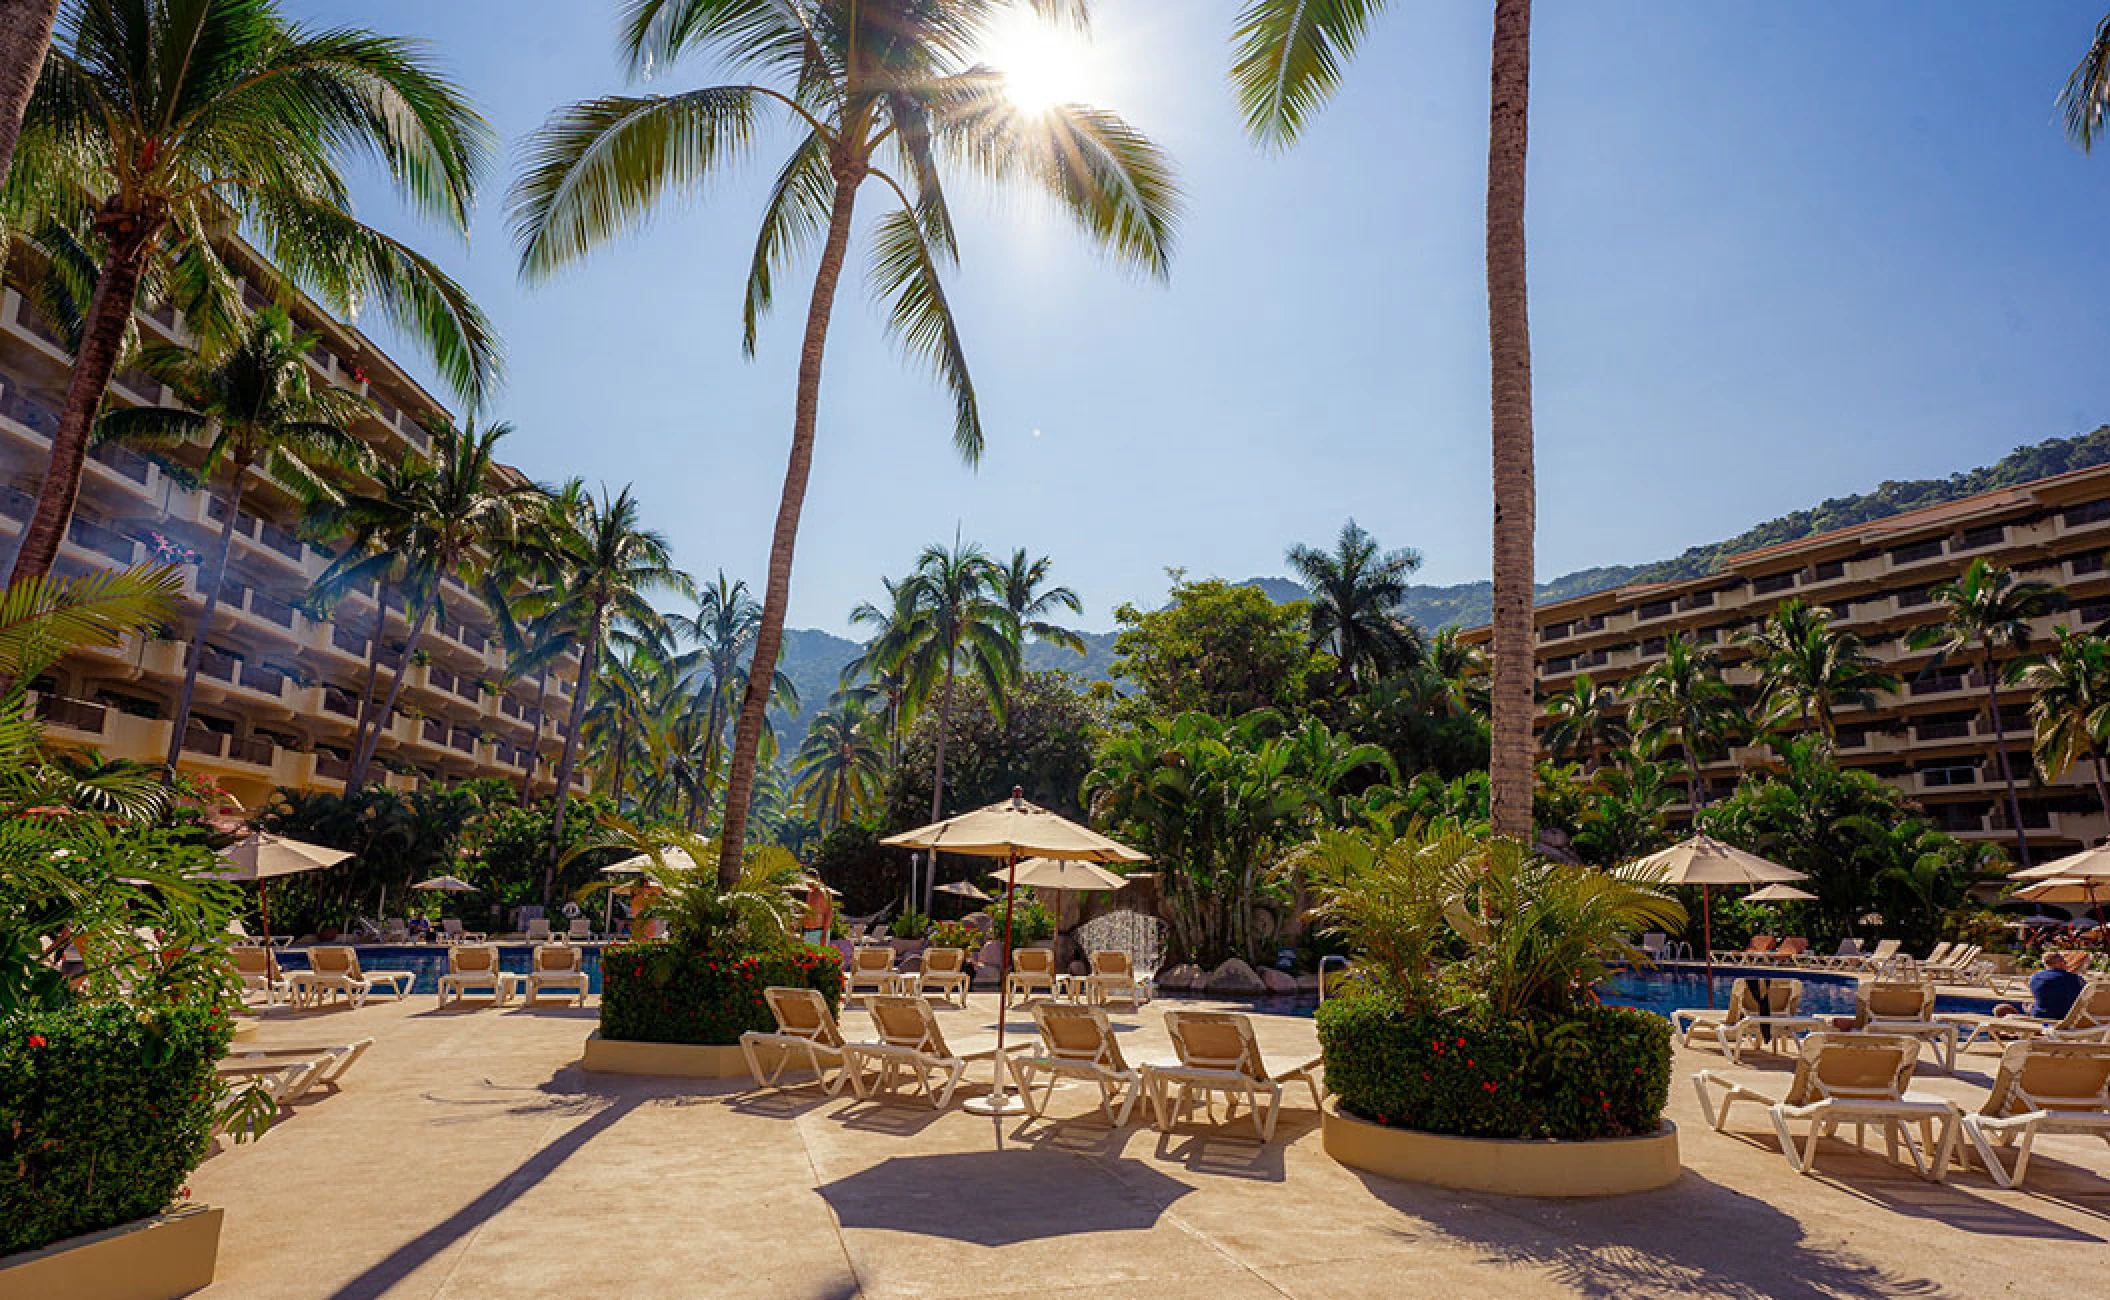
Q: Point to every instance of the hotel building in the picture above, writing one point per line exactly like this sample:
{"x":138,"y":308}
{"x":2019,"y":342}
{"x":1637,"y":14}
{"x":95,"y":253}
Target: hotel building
{"x":1932,"y":738}
{"x":278,"y":690}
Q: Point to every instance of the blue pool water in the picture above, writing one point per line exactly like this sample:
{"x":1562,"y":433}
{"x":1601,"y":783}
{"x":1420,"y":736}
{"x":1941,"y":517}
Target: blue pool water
{"x":1664,"y":991}
{"x":428,"y":963}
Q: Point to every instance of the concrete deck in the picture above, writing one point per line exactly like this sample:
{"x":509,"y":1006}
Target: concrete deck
{"x":468,"y":1156}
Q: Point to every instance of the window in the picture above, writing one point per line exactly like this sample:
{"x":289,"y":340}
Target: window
{"x":2085,"y":564}
{"x":1853,"y":737}
{"x":2094,"y":512}
{"x":1657,"y":609}
{"x":1653,"y":646}
{"x":1700,"y":600}
{"x":1916,"y":552}
{"x":1937,"y":683}
{"x":1975,"y":539}
{"x":1828,"y":571}
{"x":1911,"y":597}
{"x":1564,"y":664}
{"x":2096,"y":612}
{"x":1771,"y":583}
{"x":1707,"y":636}
{"x":1594,"y":623}
{"x":1555,"y":631}
{"x":1943,"y":728}
{"x":1949,"y":774}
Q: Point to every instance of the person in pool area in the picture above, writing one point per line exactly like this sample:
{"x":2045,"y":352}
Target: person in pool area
{"x":2053,"y":990}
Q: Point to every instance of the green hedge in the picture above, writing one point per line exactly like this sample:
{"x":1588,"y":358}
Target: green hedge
{"x":658,"y":993}
{"x":104,"y":1111}
{"x":1604,"y":1073}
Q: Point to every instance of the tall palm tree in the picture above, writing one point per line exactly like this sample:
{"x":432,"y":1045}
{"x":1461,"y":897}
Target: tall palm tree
{"x":887,"y":668}
{"x":1986,"y":610}
{"x":2087,"y":90}
{"x":258,"y":408}
{"x":533,"y":645}
{"x":25,"y":35}
{"x":163,"y":117}
{"x":2071,"y":706}
{"x":462,"y":513}
{"x":376,"y":527}
{"x":723,"y":631}
{"x":1464,"y":666}
{"x":1682,"y":699}
{"x":839,"y":764}
{"x":1288,"y":62}
{"x":1808,"y":669}
{"x":958,"y":615}
{"x":1584,"y":715}
{"x":613,"y":564}
{"x":880,"y":91}
{"x":1020,"y":583}
{"x":1356,"y":589}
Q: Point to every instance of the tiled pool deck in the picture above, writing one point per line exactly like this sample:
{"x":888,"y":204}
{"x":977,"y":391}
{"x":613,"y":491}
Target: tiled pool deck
{"x":468,"y":1155}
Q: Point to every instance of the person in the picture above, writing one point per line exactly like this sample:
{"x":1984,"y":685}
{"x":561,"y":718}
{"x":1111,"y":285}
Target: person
{"x":2053,"y":990}
{"x":820,"y":914}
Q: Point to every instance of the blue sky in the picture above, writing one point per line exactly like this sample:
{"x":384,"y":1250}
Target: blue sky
{"x":1779,"y":251}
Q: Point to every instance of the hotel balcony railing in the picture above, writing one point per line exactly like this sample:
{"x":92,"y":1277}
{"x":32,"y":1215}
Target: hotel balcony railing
{"x":347,"y":640}
{"x":218,"y":665}
{"x":337,"y":700}
{"x":17,"y":504}
{"x":108,"y":542}
{"x":271,"y":609}
{"x":78,"y":715}
{"x":511,"y":707}
{"x":200,"y":740}
{"x":16,"y":404}
{"x":264,"y":680}
{"x":462,"y":739}
{"x":256,"y":749}
{"x":332,"y":768}
{"x":122,"y":460}
{"x":435,"y":731}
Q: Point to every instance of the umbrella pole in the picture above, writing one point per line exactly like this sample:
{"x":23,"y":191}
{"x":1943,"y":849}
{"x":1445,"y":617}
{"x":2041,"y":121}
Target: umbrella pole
{"x":263,"y":909}
{"x":1707,"y":938}
{"x":1001,"y":1102}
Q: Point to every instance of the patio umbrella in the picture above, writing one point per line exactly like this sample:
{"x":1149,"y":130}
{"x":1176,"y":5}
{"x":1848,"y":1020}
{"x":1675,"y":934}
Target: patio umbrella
{"x":1006,"y":830}
{"x":1778,"y":894}
{"x":964,"y":889}
{"x":262,"y":856}
{"x":446,"y":885}
{"x":2090,"y":867}
{"x":1705,"y":861}
{"x":1053,"y":873}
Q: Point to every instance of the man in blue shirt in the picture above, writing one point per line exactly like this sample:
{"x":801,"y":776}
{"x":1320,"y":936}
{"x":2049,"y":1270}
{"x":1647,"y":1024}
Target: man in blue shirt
{"x":2053,"y":990}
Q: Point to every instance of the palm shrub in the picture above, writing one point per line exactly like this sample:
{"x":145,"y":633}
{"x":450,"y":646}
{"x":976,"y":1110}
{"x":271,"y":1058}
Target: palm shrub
{"x":1475,"y":1014}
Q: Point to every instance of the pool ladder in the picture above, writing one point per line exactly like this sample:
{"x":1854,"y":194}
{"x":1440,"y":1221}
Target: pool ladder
{"x":1329,"y":957}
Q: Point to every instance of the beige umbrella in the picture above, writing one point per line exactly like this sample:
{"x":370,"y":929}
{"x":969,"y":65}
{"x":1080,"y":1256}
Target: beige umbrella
{"x":446,"y":885}
{"x":669,"y":860}
{"x":2057,"y":891}
{"x":1006,"y":830}
{"x":261,"y":856}
{"x":2091,"y":867}
{"x":1705,"y":861}
{"x":963,"y":889}
{"x":1053,"y":873}
{"x":1778,"y":894}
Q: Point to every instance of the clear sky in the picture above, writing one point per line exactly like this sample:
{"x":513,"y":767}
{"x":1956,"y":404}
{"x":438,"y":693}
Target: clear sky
{"x":1780,"y":250}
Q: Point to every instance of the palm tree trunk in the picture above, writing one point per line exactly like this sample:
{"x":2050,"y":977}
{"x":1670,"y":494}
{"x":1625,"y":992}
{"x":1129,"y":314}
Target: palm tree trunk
{"x":387,"y":712}
{"x":2007,"y":772}
{"x":527,"y":778}
{"x":622,"y":741}
{"x":589,"y":657}
{"x":1509,"y":347}
{"x":937,"y":780}
{"x":769,"y":637}
{"x":108,"y":313}
{"x":196,"y":650}
{"x":373,"y":665}
{"x":2102,"y":787}
{"x":25,"y":35}
{"x":1698,"y":793}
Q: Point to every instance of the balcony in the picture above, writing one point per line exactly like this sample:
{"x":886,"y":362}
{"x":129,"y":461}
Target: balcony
{"x":434,"y":732}
{"x":257,"y":751}
{"x":330,"y":767}
{"x":204,"y":742}
{"x":462,"y":739}
{"x":73,"y":715}
{"x":101,"y":542}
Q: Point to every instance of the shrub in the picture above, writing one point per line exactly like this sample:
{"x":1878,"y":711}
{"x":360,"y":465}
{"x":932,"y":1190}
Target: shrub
{"x":1602,"y":1072}
{"x":660,"y":992}
{"x":104,"y":1111}
{"x":911,"y":924}
{"x":1032,"y":924}
{"x":955,"y":934}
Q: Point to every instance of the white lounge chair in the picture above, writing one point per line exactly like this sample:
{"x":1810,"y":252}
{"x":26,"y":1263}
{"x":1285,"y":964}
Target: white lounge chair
{"x":2042,"y":1087}
{"x":1857,"y":1079}
{"x":1078,"y":1043}
{"x":944,"y":973}
{"x":472,"y":967}
{"x":1218,"y":1053}
{"x":911,"y":1043}
{"x":291,"y":1071}
{"x":451,"y":932}
{"x":579,"y":931}
{"x":333,"y":971}
{"x":1032,"y":972}
{"x":1905,"y":1007}
{"x":1756,"y":1006}
{"x":1114,"y":979}
{"x":557,"y":967}
{"x":871,"y":972}
{"x":2088,"y":1019}
{"x":806,"y":1034}
{"x":259,"y":971}
{"x":538,"y":930}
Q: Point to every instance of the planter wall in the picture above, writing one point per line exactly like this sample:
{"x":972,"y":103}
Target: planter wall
{"x":1609,"y":1167}
{"x":158,"y":1258}
{"x":667,"y":1060}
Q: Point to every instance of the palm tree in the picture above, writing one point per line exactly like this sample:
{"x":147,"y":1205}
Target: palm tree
{"x":957,"y":612}
{"x":723,"y":630}
{"x":1464,"y":666}
{"x":25,"y":34}
{"x":887,"y":667}
{"x":1682,"y":699}
{"x":533,"y":645}
{"x":1356,"y":590}
{"x":876,"y":90}
{"x":612,"y":566}
{"x":2071,"y":708}
{"x":1987,"y":609}
{"x":1288,"y":62}
{"x":838,"y":766}
{"x":163,"y":119}
{"x":461,"y":514}
{"x":1018,"y":585}
{"x":1808,"y":668}
{"x":2087,"y":90}
{"x":257,"y":407}
{"x":1583,"y":716}
{"x":377,"y":527}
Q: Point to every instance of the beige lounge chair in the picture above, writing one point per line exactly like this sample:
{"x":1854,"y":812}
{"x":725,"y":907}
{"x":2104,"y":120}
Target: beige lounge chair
{"x":1078,"y":1043}
{"x":1960,"y":966}
{"x":2088,"y":1019}
{"x":258,"y":968}
{"x":1904,"y":1007}
{"x":538,"y":930}
{"x":871,"y":971}
{"x":473,"y":966}
{"x":1793,"y":950}
{"x":910,"y":1041}
{"x":944,"y":973}
{"x":1857,"y":1079}
{"x":558,"y":967}
{"x":1032,"y":971}
{"x":451,"y":932}
{"x":579,"y":931}
{"x":806,"y":1034}
{"x":1113,"y":979}
{"x":1885,"y":952}
{"x":1755,"y":1005}
{"x":1761,"y":945}
{"x":333,"y":971}
{"x":2042,"y":1087}
{"x":289,"y":1072}
{"x":1218,"y":1053}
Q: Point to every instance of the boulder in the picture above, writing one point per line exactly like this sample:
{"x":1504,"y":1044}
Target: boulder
{"x":1180,"y":979}
{"x":1307,"y":983}
{"x":1234,"y":977}
{"x":1278,"y":981}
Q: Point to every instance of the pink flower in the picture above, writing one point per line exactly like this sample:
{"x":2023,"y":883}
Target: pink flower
{"x":37,"y":1040}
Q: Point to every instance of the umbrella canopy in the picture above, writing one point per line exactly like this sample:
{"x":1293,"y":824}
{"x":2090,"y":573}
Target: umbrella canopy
{"x":669,"y":859}
{"x":2070,"y":890}
{"x":964,"y":889}
{"x":1052,"y":873}
{"x":2088,"y":864}
{"x":1778,"y":894}
{"x":263,"y":856}
{"x":446,"y":884}
{"x":1014,"y":827}
{"x":1704,"y":860}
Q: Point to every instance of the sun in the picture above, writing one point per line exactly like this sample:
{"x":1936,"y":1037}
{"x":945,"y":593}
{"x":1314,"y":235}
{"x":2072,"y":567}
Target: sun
{"x":1043,"y":65}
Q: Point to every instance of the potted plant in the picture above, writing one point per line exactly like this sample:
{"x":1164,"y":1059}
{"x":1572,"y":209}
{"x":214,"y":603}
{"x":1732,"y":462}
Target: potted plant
{"x":911,"y":932}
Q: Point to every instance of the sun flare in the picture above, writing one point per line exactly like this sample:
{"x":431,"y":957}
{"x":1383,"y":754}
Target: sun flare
{"x":1043,"y":65}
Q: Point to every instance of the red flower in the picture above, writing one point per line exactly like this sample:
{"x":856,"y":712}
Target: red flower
{"x":1461,"y":1042}
{"x":37,"y":1040}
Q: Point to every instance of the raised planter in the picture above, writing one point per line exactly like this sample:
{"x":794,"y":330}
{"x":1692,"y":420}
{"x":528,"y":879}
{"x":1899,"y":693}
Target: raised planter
{"x":1508,"y":1167}
{"x":671,"y":1060}
{"x":160,"y":1258}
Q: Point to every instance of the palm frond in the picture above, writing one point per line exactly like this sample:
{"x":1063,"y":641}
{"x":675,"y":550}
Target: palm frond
{"x":906,"y":279}
{"x":1287,"y":60}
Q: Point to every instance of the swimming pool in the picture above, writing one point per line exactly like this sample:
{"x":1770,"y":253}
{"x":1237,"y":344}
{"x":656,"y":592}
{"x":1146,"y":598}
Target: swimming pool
{"x":1666,"y":989}
{"x":428,"y":963}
